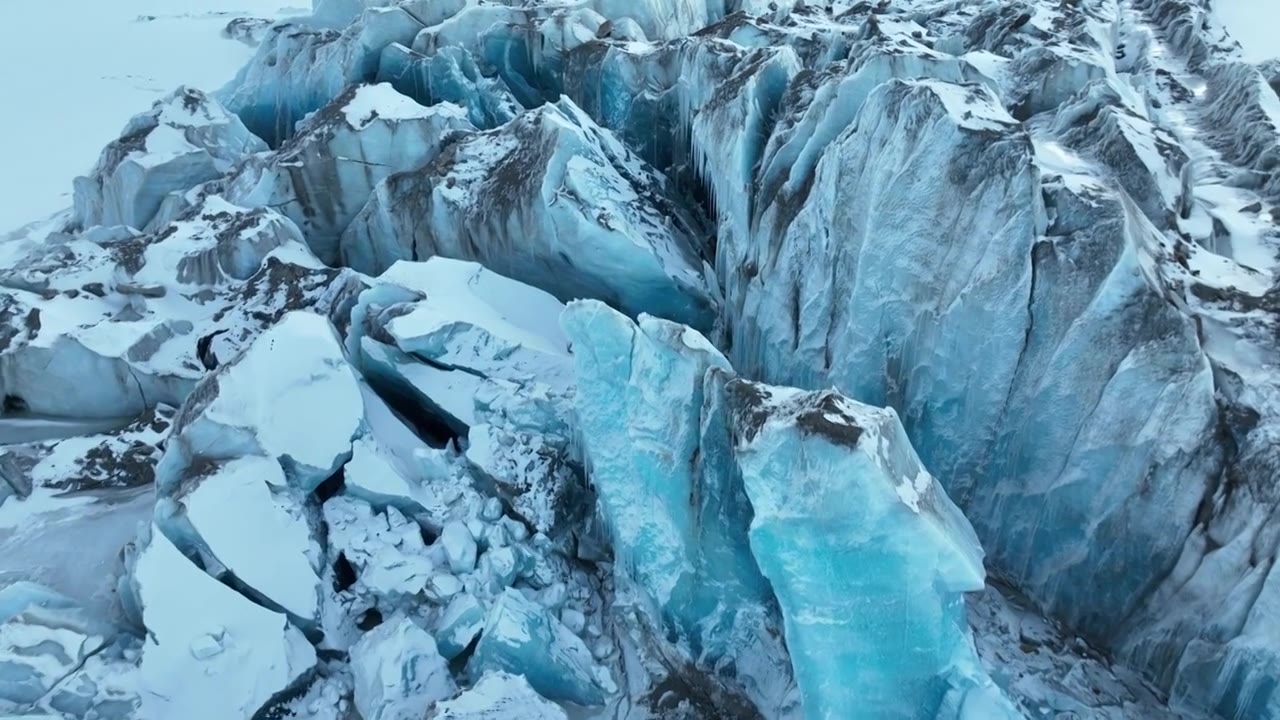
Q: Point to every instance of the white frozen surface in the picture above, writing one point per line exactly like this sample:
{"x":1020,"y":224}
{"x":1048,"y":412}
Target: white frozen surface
{"x":399,"y":673}
{"x":1255,"y":24}
{"x":119,"y":66}
{"x":211,"y":654}
{"x":499,"y":696}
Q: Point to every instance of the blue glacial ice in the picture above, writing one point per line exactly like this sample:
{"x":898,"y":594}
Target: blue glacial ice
{"x":677,"y":517}
{"x":552,"y":200}
{"x":733,"y":506}
{"x":1043,"y":233}
{"x":522,"y":637}
{"x":868,"y":556}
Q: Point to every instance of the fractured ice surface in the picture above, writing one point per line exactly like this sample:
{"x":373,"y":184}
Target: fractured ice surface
{"x":210,"y":653}
{"x":868,"y":556}
{"x":44,"y":637}
{"x":551,"y":200}
{"x":384,"y":549}
{"x":399,"y":674}
{"x":291,"y":396}
{"x":483,"y":355}
{"x":244,"y":513}
{"x":186,"y":139}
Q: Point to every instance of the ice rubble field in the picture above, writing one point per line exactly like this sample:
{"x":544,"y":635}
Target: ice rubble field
{"x":647,"y":359}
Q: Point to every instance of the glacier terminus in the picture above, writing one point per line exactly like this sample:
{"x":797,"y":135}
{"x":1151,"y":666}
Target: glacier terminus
{"x":660,"y":359}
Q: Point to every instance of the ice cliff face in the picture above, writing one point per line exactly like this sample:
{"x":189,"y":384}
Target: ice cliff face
{"x":660,"y":358}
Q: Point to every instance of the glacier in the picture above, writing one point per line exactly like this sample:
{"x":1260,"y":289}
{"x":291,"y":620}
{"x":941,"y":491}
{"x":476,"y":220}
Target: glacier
{"x":868,"y":556}
{"x":660,"y":359}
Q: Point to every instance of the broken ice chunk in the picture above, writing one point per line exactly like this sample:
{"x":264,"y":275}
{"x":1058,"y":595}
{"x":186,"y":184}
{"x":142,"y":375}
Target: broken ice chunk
{"x":499,"y":696}
{"x":447,"y":396}
{"x":461,"y":622}
{"x":868,"y":556}
{"x":385,"y":550}
{"x":480,"y":321}
{"x":210,"y":652}
{"x":433,"y":332}
{"x":184,"y":140}
{"x":399,"y":673}
{"x":520,"y":637}
{"x":459,"y":547}
{"x":256,"y":526}
{"x":378,"y":476}
{"x":291,"y":396}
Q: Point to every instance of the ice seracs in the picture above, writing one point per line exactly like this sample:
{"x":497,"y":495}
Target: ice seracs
{"x":671,"y":498}
{"x":141,"y":317}
{"x":868,"y":556}
{"x":186,"y":139}
{"x":1044,"y":233}
{"x":324,"y":175}
{"x":568,"y":209}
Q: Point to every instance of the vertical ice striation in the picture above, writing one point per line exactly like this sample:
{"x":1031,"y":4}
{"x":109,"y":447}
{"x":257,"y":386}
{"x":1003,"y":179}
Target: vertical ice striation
{"x":677,"y":517}
{"x":868,"y":556}
{"x":186,"y":139}
{"x":926,"y":220}
{"x":325,"y":173}
{"x":553,"y":200}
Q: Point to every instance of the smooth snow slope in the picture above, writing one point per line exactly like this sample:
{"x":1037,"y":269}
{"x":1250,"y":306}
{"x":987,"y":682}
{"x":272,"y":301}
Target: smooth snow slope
{"x":1255,"y":24}
{"x":75,"y":71}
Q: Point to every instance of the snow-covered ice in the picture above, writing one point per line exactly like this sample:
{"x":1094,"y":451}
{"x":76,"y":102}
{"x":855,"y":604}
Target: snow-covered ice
{"x":210,"y":652}
{"x":626,"y":360}
{"x":399,"y":673}
{"x":499,"y":696}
